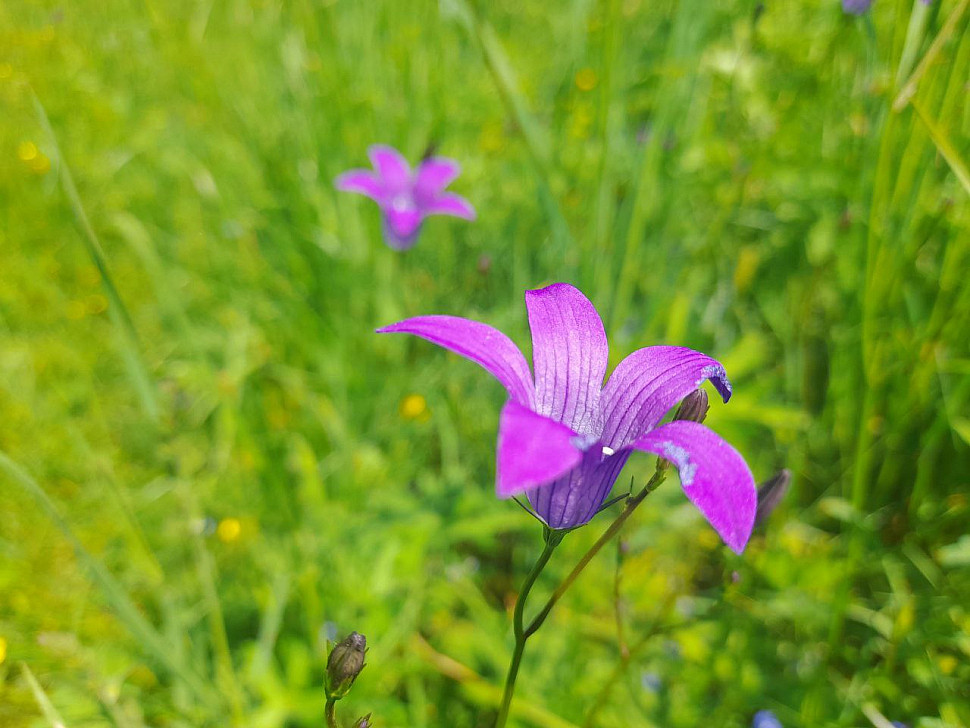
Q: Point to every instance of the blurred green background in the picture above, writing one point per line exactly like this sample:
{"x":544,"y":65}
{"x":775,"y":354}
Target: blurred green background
{"x":209,"y":464}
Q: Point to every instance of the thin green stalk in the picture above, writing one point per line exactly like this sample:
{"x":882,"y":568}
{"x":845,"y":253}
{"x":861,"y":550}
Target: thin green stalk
{"x":43,"y":702}
{"x":614,"y":528}
{"x":331,"y":713}
{"x":946,"y":32}
{"x":130,"y":345}
{"x":553,"y":539}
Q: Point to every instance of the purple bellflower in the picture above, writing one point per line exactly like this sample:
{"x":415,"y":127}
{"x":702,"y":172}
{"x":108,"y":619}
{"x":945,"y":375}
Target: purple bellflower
{"x":564,"y":436}
{"x":406,"y":197}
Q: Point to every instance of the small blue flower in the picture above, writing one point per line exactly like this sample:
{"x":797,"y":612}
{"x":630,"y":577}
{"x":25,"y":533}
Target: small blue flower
{"x":765,"y":719}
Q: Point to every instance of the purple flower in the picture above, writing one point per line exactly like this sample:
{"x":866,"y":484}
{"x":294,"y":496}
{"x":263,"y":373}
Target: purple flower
{"x":564,"y":436}
{"x":407,"y":197}
{"x":856,"y":7}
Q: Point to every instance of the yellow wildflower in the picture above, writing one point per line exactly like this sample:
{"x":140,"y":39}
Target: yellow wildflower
{"x":228,"y":529}
{"x":27,"y":151}
{"x":414,"y":407}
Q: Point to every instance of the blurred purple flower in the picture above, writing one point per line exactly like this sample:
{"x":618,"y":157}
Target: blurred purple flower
{"x":406,"y":197}
{"x":765,"y":719}
{"x":856,"y":7}
{"x":564,"y":436}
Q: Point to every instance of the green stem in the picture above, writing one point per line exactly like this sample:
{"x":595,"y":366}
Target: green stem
{"x":553,"y":539}
{"x":331,"y":713}
{"x":610,"y":532}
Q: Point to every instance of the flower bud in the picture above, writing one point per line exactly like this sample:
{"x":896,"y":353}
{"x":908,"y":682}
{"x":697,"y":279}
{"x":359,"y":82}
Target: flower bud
{"x":344,"y":664}
{"x":693,"y":407}
{"x":364,"y":722}
{"x":770,"y":494}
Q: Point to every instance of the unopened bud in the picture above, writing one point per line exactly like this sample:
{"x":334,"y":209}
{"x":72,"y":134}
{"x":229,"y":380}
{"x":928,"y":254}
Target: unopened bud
{"x":364,"y":722}
{"x":693,"y":407}
{"x":344,"y":664}
{"x":770,"y":494}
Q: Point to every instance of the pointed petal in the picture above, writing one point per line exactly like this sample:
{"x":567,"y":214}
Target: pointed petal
{"x":450,"y":204}
{"x":713,"y":474}
{"x":532,"y":450}
{"x":433,"y":175}
{"x":648,"y":383}
{"x":479,"y":342}
{"x":361,"y":181}
{"x":391,"y":167}
{"x":569,"y":353}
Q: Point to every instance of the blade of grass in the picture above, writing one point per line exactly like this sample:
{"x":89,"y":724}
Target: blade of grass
{"x":908,"y":89}
{"x":536,"y":141}
{"x":43,"y":702}
{"x":119,"y":601}
{"x":128,"y":336}
{"x":944,"y":145}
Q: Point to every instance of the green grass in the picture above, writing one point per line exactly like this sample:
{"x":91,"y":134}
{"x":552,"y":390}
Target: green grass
{"x":204,"y":469}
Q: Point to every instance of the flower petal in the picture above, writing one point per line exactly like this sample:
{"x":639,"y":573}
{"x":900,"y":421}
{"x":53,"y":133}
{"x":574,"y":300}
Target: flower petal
{"x":649,"y":382}
{"x":713,"y":474}
{"x":569,"y":353}
{"x":391,"y":167}
{"x":361,"y":181}
{"x":433,"y":175}
{"x":479,"y":342}
{"x":450,"y":204}
{"x":532,"y":450}
{"x":577,"y":496}
{"x":403,"y":222}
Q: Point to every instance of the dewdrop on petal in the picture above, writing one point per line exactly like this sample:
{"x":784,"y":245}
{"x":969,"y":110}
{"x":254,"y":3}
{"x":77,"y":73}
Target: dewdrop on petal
{"x":344,"y":664}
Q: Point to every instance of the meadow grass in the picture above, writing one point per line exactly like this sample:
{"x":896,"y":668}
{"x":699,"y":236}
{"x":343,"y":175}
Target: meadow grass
{"x":206,"y":466}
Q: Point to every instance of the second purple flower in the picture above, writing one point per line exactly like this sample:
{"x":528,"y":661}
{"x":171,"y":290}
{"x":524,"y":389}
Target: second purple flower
{"x":406,"y":197}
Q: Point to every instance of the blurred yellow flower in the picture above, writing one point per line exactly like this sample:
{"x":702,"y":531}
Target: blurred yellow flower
{"x":40,"y":164}
{"x":414,"y":407}
{"x":30,"y":155}
{"x":586,"y":79}
{"x":27,"y":151}
{"x":228,"y":529}
{"x":3,"y":650}
{"x":946,"y":663}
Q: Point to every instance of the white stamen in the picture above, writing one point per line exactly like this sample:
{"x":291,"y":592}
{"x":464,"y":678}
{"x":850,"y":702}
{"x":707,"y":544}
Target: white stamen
{"x":608,"y":450}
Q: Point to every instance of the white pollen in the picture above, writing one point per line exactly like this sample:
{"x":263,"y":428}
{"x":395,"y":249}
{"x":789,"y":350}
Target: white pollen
{"x":608,"y":450}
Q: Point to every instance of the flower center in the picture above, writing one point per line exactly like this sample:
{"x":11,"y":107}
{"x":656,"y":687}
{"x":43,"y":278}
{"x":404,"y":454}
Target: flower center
{"x":402,"y":203}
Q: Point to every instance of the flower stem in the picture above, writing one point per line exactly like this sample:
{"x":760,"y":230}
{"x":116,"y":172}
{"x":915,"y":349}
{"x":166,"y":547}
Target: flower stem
{"x":610,"y":532}
{"x":331,"y":713}
{"x":553,"y":539}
